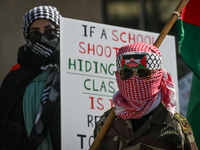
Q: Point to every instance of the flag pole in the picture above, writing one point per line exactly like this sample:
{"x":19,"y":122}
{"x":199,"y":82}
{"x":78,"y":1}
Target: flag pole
{"x":170,"y":23}
{"x":103,"y":131}
{"x":157,"y":43}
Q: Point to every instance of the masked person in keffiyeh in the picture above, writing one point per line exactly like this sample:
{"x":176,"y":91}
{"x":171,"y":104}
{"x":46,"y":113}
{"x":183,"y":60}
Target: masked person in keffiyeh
{"x":144,"y":106}
{"x":30,"y":93}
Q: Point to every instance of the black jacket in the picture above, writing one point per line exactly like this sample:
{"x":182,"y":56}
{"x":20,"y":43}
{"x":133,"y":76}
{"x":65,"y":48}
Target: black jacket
{"x":13,"y":134}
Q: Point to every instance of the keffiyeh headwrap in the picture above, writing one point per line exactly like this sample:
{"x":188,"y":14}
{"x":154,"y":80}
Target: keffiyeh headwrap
{"x":43,"y":47}
{"x":137,"y":97}
{"x":41,"y":12}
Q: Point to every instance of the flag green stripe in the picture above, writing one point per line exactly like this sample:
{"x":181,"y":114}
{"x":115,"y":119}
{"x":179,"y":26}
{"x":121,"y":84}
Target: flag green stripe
{"x":140,"y":66}
{"x":193,"y":110}
{"x":189,"y":48}
{"x":194,"y":96}
{"x":189,"y":45}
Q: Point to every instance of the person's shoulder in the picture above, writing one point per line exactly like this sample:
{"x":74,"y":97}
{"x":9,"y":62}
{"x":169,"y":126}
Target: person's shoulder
{"x":184,"y":130}
{"x":182,"y":121}
{"x":107,"y":112}
{"x":15,"y":67}
{"x":104,"y":116}
{"x":101,"y":121}
{"x":179,"y":122}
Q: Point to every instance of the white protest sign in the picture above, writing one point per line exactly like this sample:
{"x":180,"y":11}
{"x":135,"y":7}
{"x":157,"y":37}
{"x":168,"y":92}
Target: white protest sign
{"x":88,"y":56}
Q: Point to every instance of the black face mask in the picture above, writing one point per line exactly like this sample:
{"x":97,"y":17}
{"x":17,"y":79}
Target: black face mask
{"x":43,"y":47}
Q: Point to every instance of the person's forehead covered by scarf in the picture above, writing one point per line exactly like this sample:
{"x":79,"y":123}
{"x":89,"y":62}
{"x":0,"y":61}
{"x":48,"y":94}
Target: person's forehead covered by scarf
{"x":139,"y":55}
{"x":42,"y":44}
{"x":136,"y":96}
{"x":40,"y":12}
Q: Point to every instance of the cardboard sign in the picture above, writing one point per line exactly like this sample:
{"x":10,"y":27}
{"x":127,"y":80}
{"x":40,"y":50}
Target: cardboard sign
{"x":88,"y":65}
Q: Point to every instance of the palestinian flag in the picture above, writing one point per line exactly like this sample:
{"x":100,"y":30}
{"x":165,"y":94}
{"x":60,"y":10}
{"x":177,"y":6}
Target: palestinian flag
{"x":134,"y":61}
{"x":189,"y":48}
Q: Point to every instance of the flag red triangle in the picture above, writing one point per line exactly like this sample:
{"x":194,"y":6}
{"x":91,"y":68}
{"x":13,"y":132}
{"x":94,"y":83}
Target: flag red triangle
{"x":123,"y":62}
{"x":143,"y":61}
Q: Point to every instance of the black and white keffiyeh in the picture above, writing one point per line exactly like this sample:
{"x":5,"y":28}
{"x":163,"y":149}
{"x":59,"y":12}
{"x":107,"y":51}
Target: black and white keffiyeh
{"x":49,"y":100}
{"x":43,"y":47}
{"x":41,"y":50}
{"x":40,"y":12}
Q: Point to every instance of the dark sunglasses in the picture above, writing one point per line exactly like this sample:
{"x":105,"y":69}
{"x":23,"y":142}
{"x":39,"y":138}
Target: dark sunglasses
{"x":49,"y":34}
{"x":143,"y":73}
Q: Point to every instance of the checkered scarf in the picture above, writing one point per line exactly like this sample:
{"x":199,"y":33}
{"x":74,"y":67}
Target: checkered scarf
{"x":41,"y":12}
{"x":137,"y":97}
